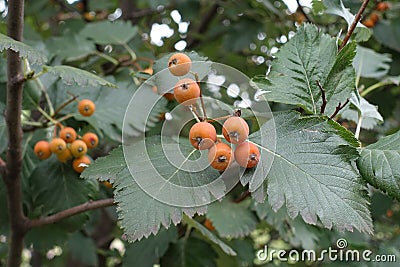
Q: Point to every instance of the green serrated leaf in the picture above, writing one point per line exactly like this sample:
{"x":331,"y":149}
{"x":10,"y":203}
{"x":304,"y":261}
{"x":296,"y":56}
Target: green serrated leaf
{"x":56,"y":187}
{"x":71,"y":75}
{"x":210,"y":236}
{"x":317,"y":7}
{"x":336,"y":7}
{"x":107,"y":32}
{"x":371,"y":64}
{"x":232,"y":220}
{"x":379,"y":164}
{"x":191,"y":252}
{"x":308,"y":57}
{"x":77,"y":47}
{"x":313,"y":174}
{"x":25,"y":51}
{"x":147,"y":252}
{"x":388,"y":34}
{"x":140,"y":214}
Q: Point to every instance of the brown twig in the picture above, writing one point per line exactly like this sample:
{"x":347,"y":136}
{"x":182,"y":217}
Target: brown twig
{"x":324,"y":102}
{"x":303,"y":12}
{"x":339,"y":107}
{"x":91,"y":205}
{"x":203,"y":107}
{"x":353,"y":26}
{"x":203,"y":26}
{"x":64,"y":105}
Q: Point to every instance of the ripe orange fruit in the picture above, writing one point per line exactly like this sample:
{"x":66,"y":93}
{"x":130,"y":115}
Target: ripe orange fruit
{"x":42,"y":150}
{"x":179,"y":64}
{"x":81,"y":163}
{"x":369,"y":23}
{"x":374,"y":17}
{"x":235,"y":130}
{"x":86,"y":107}
{"x":148,"y":71}
{"x":247,"y":154}
{"x":68,"y":134}
{"x":382,"y":6}
{"x":78,"y":148}
{"x":202,"y":135}
{"x":220,"y":156}
{"x":64,"y":156}
{"x":91,"y":140}
{"x":186,"y":91}
{"x":58,"y":145}
{"x":107,"y":184}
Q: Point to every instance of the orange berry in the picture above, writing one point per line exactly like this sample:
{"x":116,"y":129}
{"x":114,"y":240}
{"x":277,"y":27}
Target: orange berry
{"x":148,"y":71}
{"x":382,"y":6}
{"x":68,"y":134}
{"x":42,"y":150}
{"x":78,"y":148}
{"x":208,"y":224}
{"x":86,"y":107}
{"x":220,"y":156}
{"x":235,"y":130}
{"x":107,"y":184}
{"x":58,"y":145}
{"x":64,"y":156}
{"x":247,"y":154}
{"x":91,"y":140}
{"x":169,"y":96}
{"x":81,"y":163}
{"x":389,"y":213}
{"x":202,"y":135}
{"x":369,"y":23}
{"x":179,"y":64}
{"x":374,"y":17}
{"x":186,"y":91}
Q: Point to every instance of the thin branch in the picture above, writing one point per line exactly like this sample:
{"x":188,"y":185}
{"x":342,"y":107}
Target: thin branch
{"x":303,"y":12}
{"x":353,"y":26}
{"x":12,"y":178}
{"x":339,"y":107}
{"x":324,"y":102}
{"x":204,"y":24}
{"x":91,"y":205}
{"x":64,"y":105}
{"x":203,"y":107}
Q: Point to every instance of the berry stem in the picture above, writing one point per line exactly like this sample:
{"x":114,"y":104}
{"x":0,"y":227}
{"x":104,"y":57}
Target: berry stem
{"x":219,"y":118}
{"x":130,"y":51}
{"x":74,"y":97}
{"x":107,"y":57}
{"x":203,"y":107}
{"x":195,"y":115}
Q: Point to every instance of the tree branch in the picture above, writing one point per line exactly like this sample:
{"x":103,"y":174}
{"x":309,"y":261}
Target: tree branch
{"x":204,"y":24}
{"x":353,"y":26}
{"x":91,"y":205}
{"x":2,"y":168}
{"x":12,"y":177}
{"x":339,"y":108}
{"x":303,"y":12}
{"x":324,"y":102}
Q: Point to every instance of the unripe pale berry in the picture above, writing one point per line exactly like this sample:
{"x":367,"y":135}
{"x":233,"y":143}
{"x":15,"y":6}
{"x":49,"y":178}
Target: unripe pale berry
{"x":202,"y":135}
{"x":247,"y":154}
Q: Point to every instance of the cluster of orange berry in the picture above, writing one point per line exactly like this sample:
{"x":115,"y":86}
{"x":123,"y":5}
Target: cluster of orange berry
{"x":68,"y":144}
{"x":203,"y":134}
{"x":374,"y":17}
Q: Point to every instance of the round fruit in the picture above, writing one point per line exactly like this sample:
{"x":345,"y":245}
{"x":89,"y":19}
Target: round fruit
{"x":202,"y":135}
{"x":58,"y":145}
{"x":220,"y":156}
{"x":64,"y":156}
{"x":86,"y":107}
{"x":148,"y":71}
{"x":235,"y":130}
{"x":91,"y":140}
{"x":186,"y":91}
{"x":382,"y":6}
{"x":107,"y":184}
{"x":247,"y":154}
{"x":78,"y":148}
{"x":179,"y":64}
{"x":68,"y":134}
{"x":374,"y":17}
{"x":81,"y":163}
{"x":208,"y":224}
{"x":42,"y":150}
